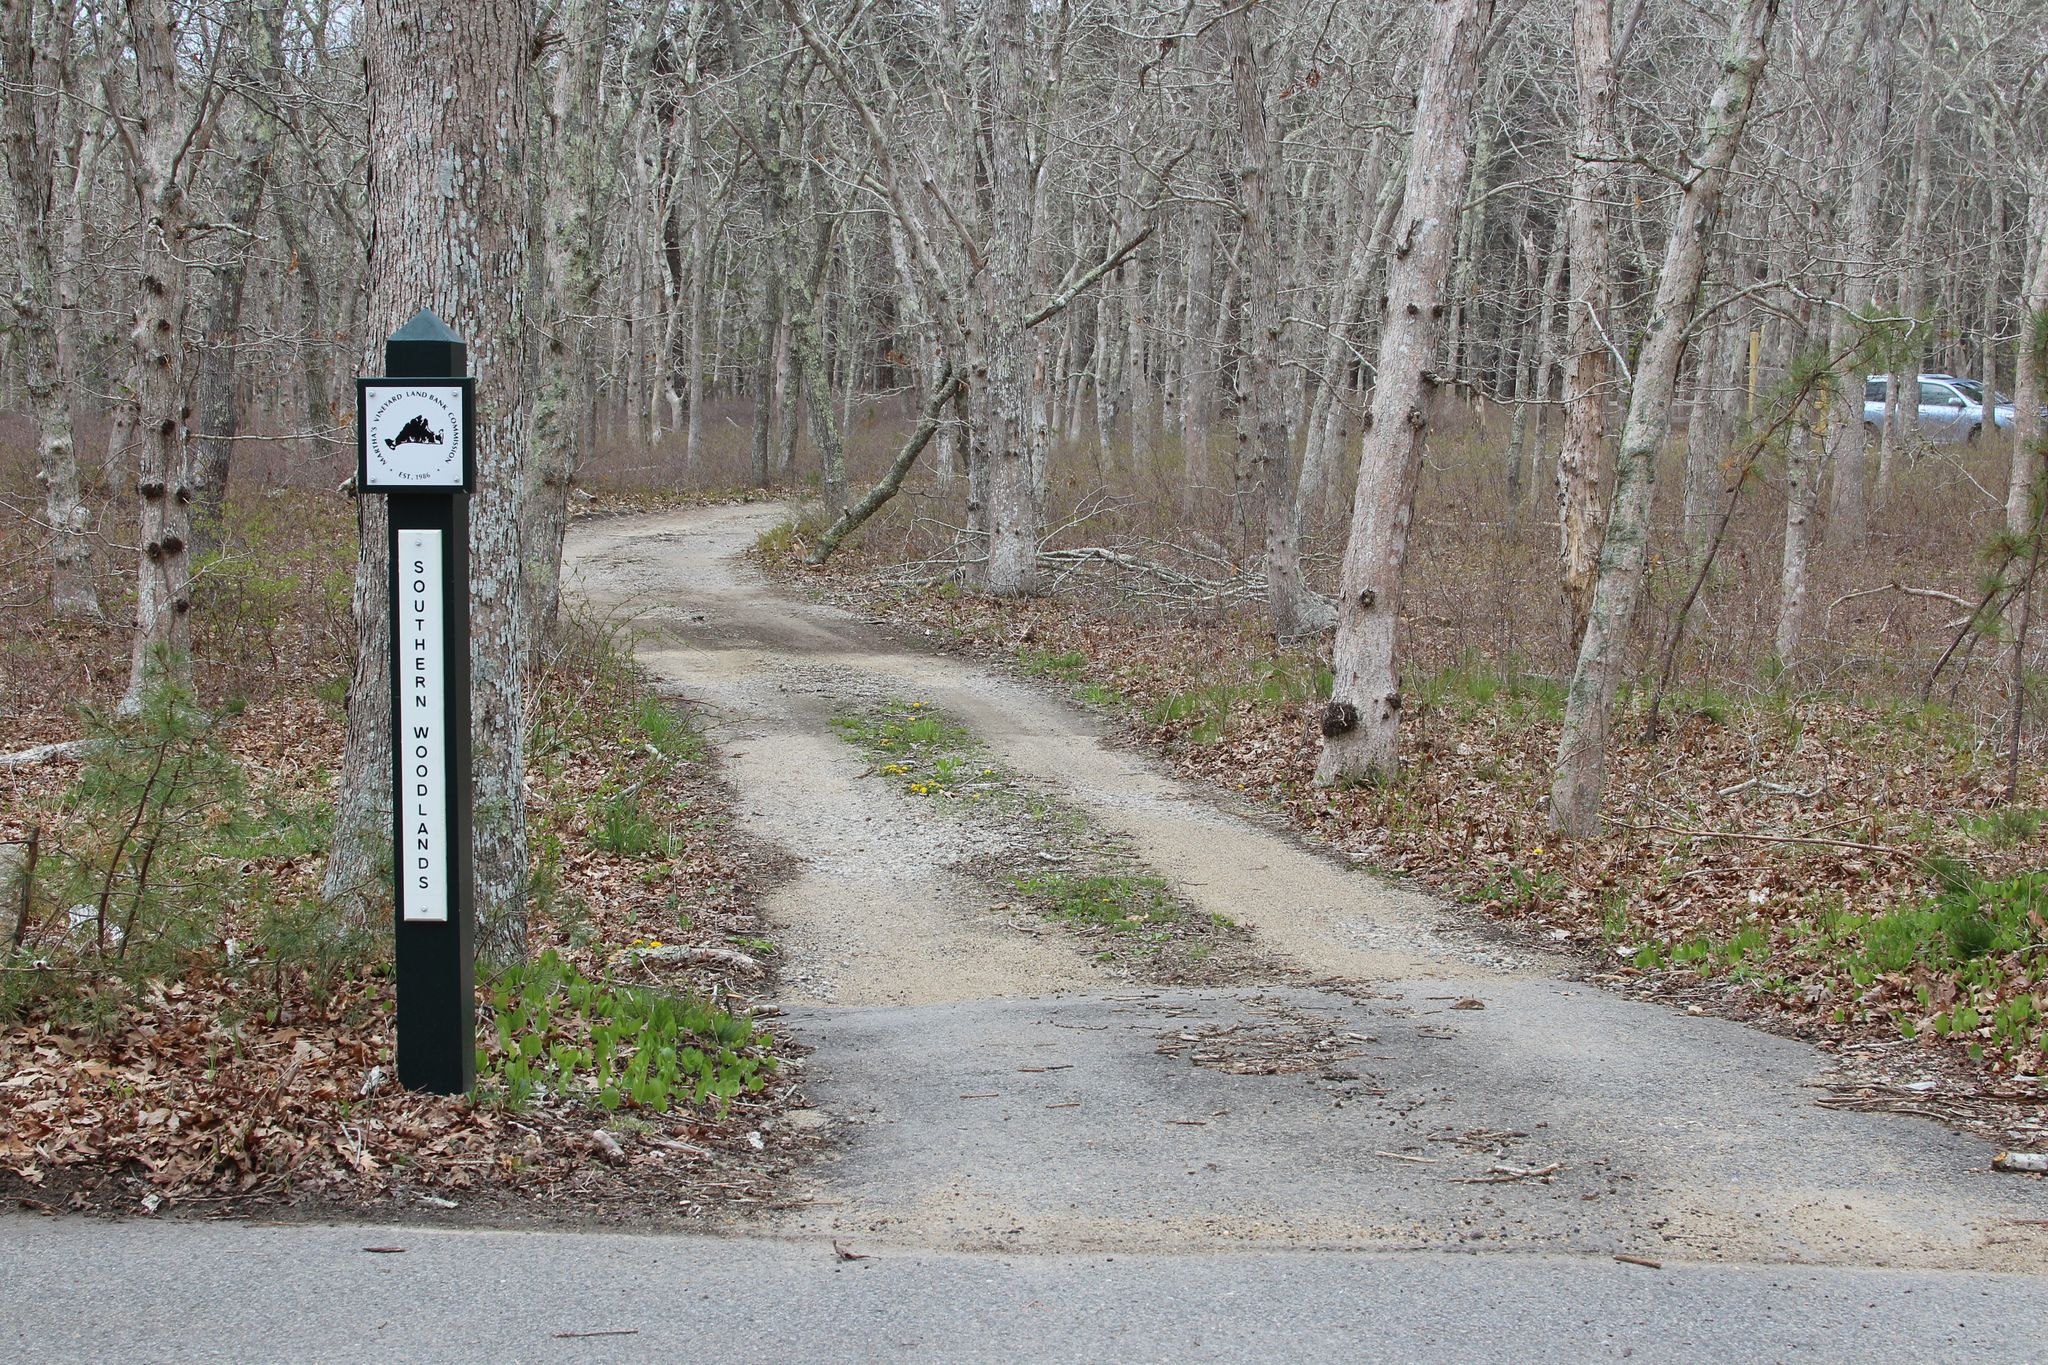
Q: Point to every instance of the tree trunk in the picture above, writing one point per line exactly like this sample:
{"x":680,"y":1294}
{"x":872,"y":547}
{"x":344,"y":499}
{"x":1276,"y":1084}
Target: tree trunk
{"x":1261,"y":416}
{"x":787,"y":389}
{"x":700,"y":300}
{"x":220,"y":415}
{"x":1579,"y":784}
{"x":1992,"y":233}
{"x":122,"y":457}
{"x":768,"y":328}
{"x":1903,"y":419}
{"x":1361,"y":725}
{"x":1803,"y":468}
{"x":1582,"y":459}
{"x":1470,"y":243}
{"x":568,"y":296}
{"x":163,"y":599}
{"x":1848,"y":515}
{"x":808,"y":340}
{"x":32,"y":72}
{"x":1198,"y":359}
{"x":1710,"y":430}
{"x":2030,"y":375}
{"x":315,"y":408}
{"x":1535,"y":340}
{"x":448,"y":139}
{"x":1382,"y":193}
{"x":1010,"y":568}
{"x":1548,"y":360}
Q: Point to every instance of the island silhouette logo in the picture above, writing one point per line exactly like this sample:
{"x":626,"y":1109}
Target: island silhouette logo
{"x":414,"y":432}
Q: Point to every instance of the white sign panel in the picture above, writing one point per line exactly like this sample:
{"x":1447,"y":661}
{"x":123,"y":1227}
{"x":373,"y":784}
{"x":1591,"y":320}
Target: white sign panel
{"x":419,"y":735}
{"x":413,"y":435}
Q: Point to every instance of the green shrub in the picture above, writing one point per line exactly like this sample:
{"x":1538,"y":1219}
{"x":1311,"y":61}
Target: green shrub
{"x":138,"y":860}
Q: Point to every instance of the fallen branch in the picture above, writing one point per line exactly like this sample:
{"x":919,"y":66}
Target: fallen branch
{"x":1248,"y":586}
{"x":1504,"y":1175}
{"x":1932,"y":593}
{"x":850,"y":518}
{"x":1771,"y":788}
{"x":718,"y":957}
{"x":43,"y":753}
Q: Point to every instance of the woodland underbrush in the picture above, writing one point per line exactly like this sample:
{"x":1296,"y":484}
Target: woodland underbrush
{"x":1828,"y":847}
{"x":184,"y":1025}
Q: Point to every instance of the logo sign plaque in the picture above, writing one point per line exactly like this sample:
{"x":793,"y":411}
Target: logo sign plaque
{"x":415,"y":435}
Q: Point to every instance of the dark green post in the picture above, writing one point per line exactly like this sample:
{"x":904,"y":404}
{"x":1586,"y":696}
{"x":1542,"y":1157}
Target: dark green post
{"x":414,"y":446}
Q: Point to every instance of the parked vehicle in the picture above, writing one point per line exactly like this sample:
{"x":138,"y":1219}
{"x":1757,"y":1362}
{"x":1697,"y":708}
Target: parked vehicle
{"x":1951,"y":409}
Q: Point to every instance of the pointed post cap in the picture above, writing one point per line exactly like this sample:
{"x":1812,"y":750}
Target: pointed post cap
{"x":425,"y":347}
{"x":426,"y":325}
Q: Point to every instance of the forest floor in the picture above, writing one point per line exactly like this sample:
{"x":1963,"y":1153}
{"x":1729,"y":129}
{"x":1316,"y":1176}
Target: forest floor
{"x":230,"y":1051}
{"x":1345,"y":1063}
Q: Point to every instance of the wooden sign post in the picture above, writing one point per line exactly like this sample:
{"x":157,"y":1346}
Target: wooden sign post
{"x":414,"y":429}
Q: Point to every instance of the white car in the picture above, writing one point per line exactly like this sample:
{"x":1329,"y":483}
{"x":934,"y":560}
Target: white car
{"x":1951,"y":409}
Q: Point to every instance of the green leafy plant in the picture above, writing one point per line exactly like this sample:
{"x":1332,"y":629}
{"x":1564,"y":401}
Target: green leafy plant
{"x":923,"y":751}
{"x":555,"y":1032}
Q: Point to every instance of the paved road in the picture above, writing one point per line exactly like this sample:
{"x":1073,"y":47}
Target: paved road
{"x":203,"y":1292}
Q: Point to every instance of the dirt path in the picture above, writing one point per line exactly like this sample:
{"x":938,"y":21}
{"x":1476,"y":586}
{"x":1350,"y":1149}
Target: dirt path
{"x":994,"y":1088}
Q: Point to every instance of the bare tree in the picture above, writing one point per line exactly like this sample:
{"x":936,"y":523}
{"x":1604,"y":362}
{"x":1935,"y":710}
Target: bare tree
{"x":256,"y":28}
{"x":1001,"y":365}
{"x":1848,"y":514}
{"x":162,"y":138}
{"x":1262,"y":423}
{"x":1582,"y":459}
{"x":1361,"y":725}
{"x":1579,"y":783}
{"x":568,"y":295}
{"x":32,"y":65}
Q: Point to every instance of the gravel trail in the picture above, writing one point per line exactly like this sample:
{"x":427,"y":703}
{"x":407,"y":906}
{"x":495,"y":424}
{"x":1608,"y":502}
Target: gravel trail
{"x":996,"y":1090}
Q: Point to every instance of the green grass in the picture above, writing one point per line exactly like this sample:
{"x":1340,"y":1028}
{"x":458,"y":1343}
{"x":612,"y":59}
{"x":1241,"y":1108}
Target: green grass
{"x":1067,"y":665}
{"x":1473,"y":683}
{"x":928,"y":754}
{"x":1520,"y":888}
{"x":1268,"y":684}
{"x":1984,"y":942}
{"x":1120,"y":902}
{"x":668,"y":731}
{"x":922,"y":751}
{"x":776,"y":541}
{"x":623,"y":825}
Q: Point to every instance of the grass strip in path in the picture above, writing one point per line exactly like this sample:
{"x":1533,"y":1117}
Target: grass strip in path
{"x":1056,"y":863}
